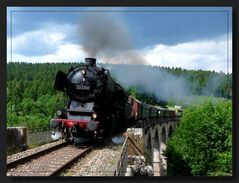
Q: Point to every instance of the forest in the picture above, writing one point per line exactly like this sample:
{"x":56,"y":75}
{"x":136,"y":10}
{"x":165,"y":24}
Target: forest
{"x":32,"y":100}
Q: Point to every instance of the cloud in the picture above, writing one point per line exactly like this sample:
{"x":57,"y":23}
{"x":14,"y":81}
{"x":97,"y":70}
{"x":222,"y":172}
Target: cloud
{"x":37,"y":43}
{"x":200,"y":54}
{"x":41,"y":42}
{"x":65,"y":53}
{"x":57,"y":43}
{"x":51,"y":43}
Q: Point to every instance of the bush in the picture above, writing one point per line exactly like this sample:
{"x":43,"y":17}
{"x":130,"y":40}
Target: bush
{"x":203,"y":140}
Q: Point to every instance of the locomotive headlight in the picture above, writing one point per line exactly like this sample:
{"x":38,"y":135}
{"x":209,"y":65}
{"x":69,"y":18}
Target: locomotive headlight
{"x":59,"y":112}
{"x":83,"y":72}
{"x":106,"y":72}
{"x":94,"y":115}
{"x":91,"y":126}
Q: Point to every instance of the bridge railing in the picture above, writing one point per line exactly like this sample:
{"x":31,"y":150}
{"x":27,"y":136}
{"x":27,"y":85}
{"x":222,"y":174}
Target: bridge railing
{"x":151,"y":122}
{"x":122,"y":161}
{"x":38,"y":135}
{"x":134,"y":148}
{"x":19,"y":138}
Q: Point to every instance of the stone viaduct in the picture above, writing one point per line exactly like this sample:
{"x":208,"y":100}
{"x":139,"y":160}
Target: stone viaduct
{"x":155,"y":136}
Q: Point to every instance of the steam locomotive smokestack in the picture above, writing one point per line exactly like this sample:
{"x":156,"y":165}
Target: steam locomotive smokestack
{"x":90,"y":61}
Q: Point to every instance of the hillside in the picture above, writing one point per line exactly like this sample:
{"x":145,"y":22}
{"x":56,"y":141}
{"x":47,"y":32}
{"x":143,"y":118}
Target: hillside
{"x":32,"y":101}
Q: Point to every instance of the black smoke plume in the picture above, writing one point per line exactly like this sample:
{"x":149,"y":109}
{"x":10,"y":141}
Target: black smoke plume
{"x":105,"y":36}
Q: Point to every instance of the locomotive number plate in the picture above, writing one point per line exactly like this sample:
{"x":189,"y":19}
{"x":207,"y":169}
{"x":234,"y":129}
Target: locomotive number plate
{"x":80,"y":87}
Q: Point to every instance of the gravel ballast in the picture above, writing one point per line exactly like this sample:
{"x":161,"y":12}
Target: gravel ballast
{"x":101,"y":161}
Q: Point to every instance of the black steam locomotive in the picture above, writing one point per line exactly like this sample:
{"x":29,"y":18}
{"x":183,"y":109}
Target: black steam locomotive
{"x":97,"y":106}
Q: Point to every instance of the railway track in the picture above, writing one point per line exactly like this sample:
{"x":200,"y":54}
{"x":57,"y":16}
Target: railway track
{"x":47,"y":162}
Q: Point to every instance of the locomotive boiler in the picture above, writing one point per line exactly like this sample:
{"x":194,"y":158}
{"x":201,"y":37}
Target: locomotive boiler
{"x":97,"y":105}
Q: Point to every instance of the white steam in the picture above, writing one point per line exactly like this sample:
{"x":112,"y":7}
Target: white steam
{"x":151,"y":79}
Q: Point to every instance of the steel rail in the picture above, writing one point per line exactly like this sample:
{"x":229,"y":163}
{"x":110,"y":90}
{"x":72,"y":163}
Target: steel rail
{"x":70,"y":162}
{"x":15,"y":162}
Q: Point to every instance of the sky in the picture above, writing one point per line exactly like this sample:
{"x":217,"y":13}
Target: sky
{"x":190,"y":38}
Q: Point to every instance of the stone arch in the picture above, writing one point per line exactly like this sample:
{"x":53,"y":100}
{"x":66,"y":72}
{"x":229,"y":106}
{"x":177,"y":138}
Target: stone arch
{"x":156,"y":154}
{"x":170,"y":131}
{"x":163,"y":135}
{"x":148,"y":149}
{"x":163,"y":162}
